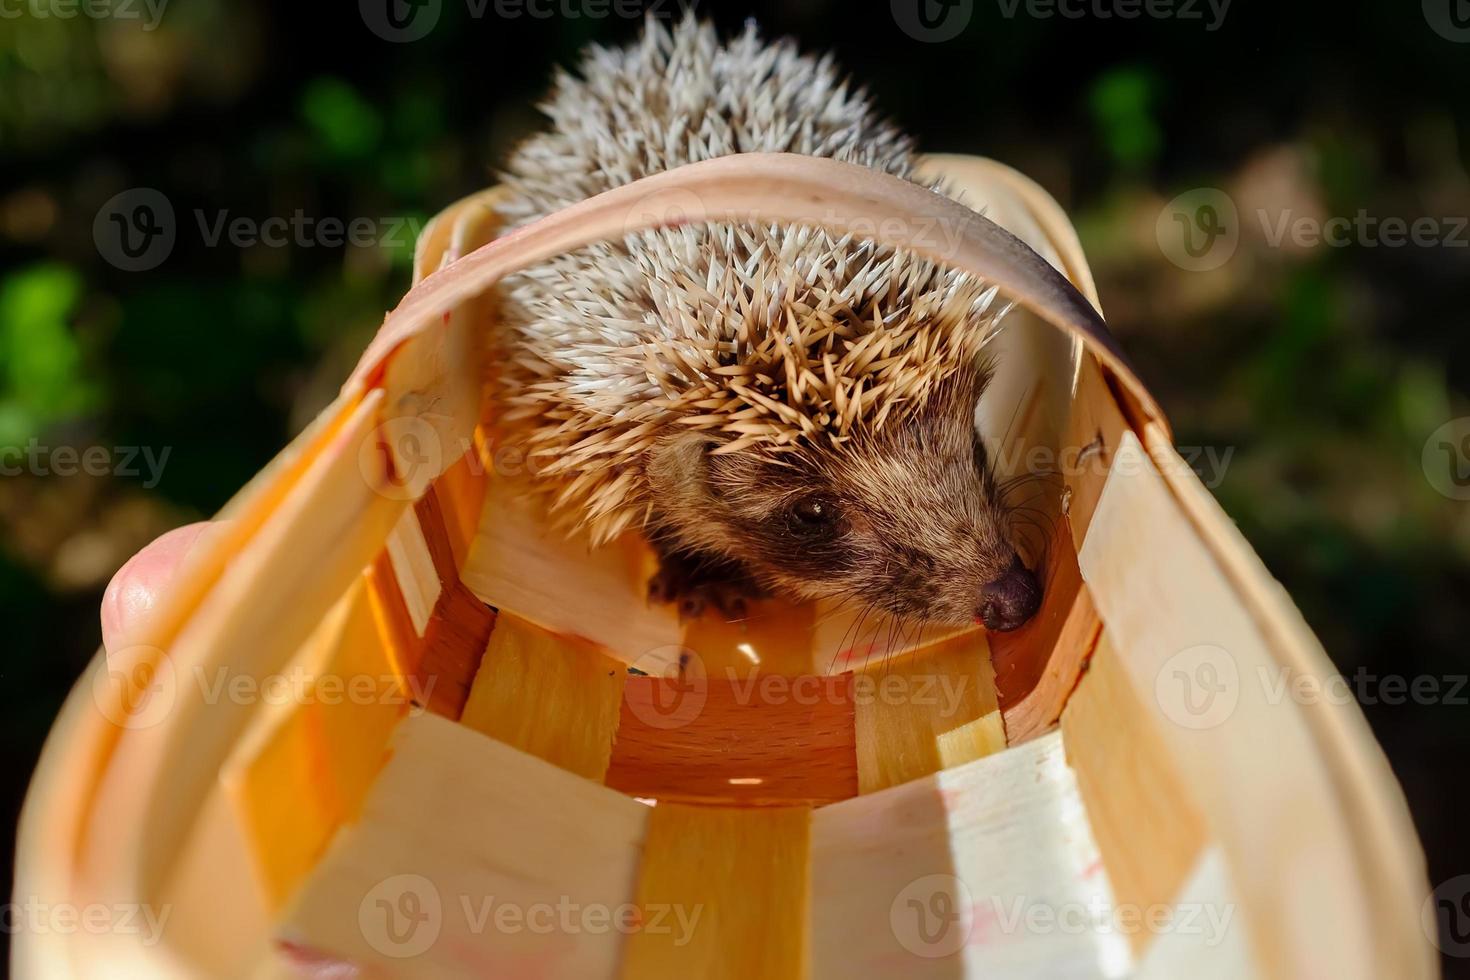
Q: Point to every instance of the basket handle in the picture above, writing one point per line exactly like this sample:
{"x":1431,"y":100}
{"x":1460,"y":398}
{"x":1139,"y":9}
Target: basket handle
{"x":844,"y":198}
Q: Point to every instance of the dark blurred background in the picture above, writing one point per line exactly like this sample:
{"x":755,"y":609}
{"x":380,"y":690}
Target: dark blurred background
{"x":1328,"y":368}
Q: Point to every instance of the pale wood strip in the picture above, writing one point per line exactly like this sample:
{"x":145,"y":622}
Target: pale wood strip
{"x":1197,"y":658}
{"x":1383,"y":829}
{"x":551,"y":696}
{"x":740,"y":878}
{"x":974,"y":740}
{"x":413,"y":568}
{"x":1095,"y":424}
{"x":1148,"y":827}
{"x":1203,"y":936}
{"x":472,"y":859}
{"x":60,"y":811}
{"x":265,"y":605}
{"x":903,"y":708}
{"x":966,"y":873}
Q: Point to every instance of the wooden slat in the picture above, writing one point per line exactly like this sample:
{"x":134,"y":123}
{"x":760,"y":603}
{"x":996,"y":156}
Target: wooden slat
{"x":453,"y":645}
{"x":1212,"y":943}
{"x":161,"y":808}
{"x":459,"y":626}
{"x":943,"y":877}
{"x":460,"y":493}
{"x":1250,"y":759}
{"x":904,"y":708}
{"x":405,"y":646}
{"x":472,"y":859}
{"x":1382,"y":827}
{"x":551,"y":696}
{"x":413,"y":569}
{"x":1094,"y":428}
{"x":1036,"y":666}
{"x":766,"y":740}
{"x":1148,"y":827}
{"x":307,"y":766}
{"x":741,"y":877}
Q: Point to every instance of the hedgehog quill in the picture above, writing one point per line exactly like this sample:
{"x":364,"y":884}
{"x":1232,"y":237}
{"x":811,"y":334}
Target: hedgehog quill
{"x":780,"y":411}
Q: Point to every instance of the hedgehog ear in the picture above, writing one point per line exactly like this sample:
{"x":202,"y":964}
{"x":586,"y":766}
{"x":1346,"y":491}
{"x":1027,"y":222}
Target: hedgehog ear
{"x":688,"y":470}
{"x":678,"y":469}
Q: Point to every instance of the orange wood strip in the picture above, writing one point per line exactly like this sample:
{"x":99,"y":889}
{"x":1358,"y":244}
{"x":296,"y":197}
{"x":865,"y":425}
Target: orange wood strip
{"x":553,"y":697}
{"x":311,"y":772}
{"x":460,"y":625}
{"x":768,"y":740}
{"x":731,"y":892}
{"x":1037,"y":666}
{"x":431,"y":517}
{"x":460,"y":493}
{"x":1148,"y":827}
{"x":454,"y":645}
{"x":395,"y":625}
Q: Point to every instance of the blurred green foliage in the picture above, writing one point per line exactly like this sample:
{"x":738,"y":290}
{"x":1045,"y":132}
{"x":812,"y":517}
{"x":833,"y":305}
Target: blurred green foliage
{"x":41,"y":371}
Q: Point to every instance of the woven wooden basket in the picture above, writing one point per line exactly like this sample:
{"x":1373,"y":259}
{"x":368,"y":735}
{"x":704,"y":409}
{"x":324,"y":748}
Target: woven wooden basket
{"x":387,"y":722}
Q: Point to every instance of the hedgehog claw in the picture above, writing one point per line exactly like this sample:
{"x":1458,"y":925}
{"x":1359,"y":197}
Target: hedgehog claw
{"x":697,"y":588}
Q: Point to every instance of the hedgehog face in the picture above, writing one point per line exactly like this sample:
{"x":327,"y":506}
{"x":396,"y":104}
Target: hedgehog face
{"x":907,"y":519}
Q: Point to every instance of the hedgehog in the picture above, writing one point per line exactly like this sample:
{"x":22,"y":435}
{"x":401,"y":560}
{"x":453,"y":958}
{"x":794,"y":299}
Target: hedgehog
{"x":780,"y":411}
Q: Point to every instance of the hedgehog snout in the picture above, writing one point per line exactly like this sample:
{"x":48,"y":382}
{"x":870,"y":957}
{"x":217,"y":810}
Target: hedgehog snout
{"x":1009,"y":602}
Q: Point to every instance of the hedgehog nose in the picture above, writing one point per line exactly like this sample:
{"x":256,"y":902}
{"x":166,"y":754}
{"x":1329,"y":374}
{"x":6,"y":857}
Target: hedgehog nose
{"x":1011,"y":600}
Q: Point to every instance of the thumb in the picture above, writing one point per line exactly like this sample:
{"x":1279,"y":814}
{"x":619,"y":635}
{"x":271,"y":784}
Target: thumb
{"x":137,"y":586}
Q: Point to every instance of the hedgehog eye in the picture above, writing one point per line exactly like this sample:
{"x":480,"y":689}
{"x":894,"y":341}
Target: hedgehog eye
{"x":813,"y":516}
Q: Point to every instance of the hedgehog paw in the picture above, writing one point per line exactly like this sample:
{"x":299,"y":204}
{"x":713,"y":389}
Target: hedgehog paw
{"x":697,"y":588}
